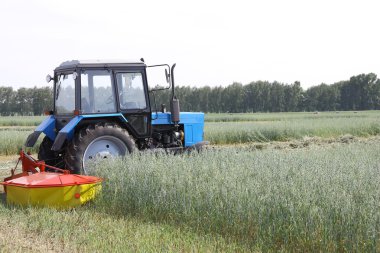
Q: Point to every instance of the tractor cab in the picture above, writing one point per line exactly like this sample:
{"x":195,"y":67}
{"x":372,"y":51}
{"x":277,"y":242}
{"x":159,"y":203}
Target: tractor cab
{"x":102,"y":109}
{"x":97,"y":88}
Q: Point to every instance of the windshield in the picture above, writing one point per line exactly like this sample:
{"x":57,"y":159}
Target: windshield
{"x":65,"y":94}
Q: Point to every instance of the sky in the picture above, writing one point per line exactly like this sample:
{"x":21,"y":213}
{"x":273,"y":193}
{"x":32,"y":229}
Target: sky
{"x":213,"y":42}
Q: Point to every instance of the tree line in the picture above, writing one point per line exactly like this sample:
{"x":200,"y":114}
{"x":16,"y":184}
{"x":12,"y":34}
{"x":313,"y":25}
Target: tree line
{"x":360,"y":92}
{"x":25,"y":101}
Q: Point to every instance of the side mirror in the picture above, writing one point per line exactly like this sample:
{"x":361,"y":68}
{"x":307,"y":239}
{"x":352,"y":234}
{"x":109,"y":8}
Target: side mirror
{"x":48,"y":78}
{"x":75,"y":75}
{"x":167,"y":75}
{"x":155,"y":76}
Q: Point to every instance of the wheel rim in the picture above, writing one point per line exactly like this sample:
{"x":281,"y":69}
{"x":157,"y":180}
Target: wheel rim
{"x":103,"y":147}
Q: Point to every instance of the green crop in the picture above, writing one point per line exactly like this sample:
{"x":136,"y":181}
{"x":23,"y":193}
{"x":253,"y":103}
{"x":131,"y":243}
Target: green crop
{"x":240,"y":128}
{"x":314,"y":199}
{"x":12,"y":140}
{"x":286,"y":116}
{"x":322,"y":198}
{"x":290,"y":128}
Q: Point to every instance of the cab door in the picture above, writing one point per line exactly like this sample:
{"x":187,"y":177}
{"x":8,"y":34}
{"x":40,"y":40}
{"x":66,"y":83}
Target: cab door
{"x":133,"y":101}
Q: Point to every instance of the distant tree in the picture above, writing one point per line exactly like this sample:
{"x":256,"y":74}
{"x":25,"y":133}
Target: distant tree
{"x":42,"y":99}
{"x":293,"y":96}
{"x":23,"y":101}
{"x":277,"y":101}
{"x":6,"y":97}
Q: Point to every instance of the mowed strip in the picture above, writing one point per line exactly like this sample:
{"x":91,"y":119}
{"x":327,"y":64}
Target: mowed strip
{"x":14,"y":239}
{"x":88,"y":230}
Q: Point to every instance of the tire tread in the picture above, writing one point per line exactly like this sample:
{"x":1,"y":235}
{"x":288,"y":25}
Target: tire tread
{"x":76,"y":148}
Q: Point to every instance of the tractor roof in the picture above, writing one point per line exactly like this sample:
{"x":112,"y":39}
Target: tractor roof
{"x":99,"y":63}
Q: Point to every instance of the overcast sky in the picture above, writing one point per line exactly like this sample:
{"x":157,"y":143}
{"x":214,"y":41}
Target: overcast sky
{"x":212,"y":42}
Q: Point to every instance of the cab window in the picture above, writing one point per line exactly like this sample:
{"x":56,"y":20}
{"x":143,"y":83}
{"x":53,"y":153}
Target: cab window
{"x":97,"y":95}
{"x":131,"y":91}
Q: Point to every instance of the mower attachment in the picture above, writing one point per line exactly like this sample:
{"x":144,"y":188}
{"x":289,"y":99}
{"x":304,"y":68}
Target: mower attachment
{"x":33,"y":186}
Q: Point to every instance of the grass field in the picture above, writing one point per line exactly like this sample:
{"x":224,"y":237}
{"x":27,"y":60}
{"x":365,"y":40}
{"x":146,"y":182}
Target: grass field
{"x":267,"y":127}
{"x":239,"y":128}
{"x":319,"y":198}
{"x":224,"y":117}
{"x":13,"y":139}
{"x":286,"y":116}
{"x":286,"y":130}
{"x":317,"y":190}
{"x":89,"y":230}
{"x":315,"y":199}
{"x":21,"y":120}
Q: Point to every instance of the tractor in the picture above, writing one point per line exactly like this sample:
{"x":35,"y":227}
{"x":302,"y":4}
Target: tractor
{"x":103,"y":109}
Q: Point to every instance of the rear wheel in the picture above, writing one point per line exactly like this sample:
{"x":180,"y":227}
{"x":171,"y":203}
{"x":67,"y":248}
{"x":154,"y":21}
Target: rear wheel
{"x":99,"y":141}
{"x":49,"y":156}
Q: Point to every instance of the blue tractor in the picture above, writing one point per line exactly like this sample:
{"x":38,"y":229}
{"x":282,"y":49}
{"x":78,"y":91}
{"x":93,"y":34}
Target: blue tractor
{"x":103,"y":109}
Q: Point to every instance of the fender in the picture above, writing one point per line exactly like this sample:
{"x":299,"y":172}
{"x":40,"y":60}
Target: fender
{"x":67,"y":132}
{"x":47,"y":127}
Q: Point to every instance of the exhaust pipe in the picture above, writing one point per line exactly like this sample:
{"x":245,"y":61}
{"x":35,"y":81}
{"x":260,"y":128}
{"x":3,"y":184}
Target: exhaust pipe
{"x":174,"y":103}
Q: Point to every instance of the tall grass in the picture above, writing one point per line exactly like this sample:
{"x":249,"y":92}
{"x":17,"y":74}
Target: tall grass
{"x":21,"y":120}
{"x":317,"y":199}
{"x":284,"y":130}
{"x":222,"y":117}
{"x":284,"y":116}
{"x":12,"y":140}
{"x":239,"y":128}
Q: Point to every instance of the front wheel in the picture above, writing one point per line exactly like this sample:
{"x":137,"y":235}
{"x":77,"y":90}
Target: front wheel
{"x":99,"y":141}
